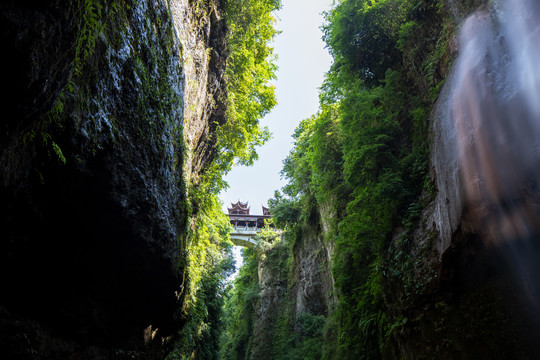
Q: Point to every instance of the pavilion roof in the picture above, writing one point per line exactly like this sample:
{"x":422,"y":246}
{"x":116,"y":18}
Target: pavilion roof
{"x":239,"y":208}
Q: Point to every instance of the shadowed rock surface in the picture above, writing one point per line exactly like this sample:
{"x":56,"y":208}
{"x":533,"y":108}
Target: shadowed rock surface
{"x":92,"y":187}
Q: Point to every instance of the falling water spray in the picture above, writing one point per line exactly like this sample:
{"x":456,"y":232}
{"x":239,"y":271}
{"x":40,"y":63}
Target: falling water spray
{"x":495,"y":106}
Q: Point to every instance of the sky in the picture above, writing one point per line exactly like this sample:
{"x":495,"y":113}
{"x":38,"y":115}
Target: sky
{"x":302,"y":63}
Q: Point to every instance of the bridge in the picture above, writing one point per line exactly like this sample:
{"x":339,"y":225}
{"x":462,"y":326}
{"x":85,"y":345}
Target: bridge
{"x":245,"y":225}
{"x":243,"y":236}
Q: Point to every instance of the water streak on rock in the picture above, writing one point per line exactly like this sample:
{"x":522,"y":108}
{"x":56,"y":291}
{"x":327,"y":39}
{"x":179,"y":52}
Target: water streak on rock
{"x":495,"y":107}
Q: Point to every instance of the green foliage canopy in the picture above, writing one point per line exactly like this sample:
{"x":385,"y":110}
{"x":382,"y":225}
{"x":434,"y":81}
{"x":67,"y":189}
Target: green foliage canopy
{"x":363,"y":158}
{"x":361,"y":36}
{"x":249,"y":96}
{"x":250,"y":68}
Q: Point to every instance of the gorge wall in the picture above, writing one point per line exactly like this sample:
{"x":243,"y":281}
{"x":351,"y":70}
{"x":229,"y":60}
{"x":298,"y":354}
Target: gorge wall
{"x":295,"y":294}
{"x":451,"y":272}
{"x":487,"y":196}
{"x":109,"y":112}
{"x":281,"y":299}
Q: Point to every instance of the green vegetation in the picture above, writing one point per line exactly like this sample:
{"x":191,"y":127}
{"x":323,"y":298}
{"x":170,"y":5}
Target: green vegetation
{"x":208,"y":261}
{"x":358,"y":170}
{"x":364,"y":157}
{"x":279,"y":333}
{"x":249,"y":96}
{"x":239,"y":308}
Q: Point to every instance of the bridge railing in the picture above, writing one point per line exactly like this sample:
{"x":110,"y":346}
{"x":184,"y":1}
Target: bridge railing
{"x":246,"y":229}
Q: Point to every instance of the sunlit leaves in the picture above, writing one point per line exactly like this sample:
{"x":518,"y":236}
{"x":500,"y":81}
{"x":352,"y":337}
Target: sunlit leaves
{"x":249,"y":96}
{"x":208,"y":261}
{"x":250,"y":67}
{"x":360,"y":160}
{"x":362,"y":35}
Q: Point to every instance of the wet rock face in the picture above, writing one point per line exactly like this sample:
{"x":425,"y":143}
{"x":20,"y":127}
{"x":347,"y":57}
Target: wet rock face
{"x":92,"y":190}
{"x":37,"y":60}
{"x":204,"y":63}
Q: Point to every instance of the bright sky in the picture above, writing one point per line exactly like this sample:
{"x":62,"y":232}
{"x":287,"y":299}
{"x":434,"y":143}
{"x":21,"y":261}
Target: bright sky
{"x":302,"y":62}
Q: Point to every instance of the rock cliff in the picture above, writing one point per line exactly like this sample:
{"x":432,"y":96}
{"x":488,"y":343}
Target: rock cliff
{"x":458,"y":281}
{"x":465,"y":276}
{"x":109,"y":111}
{"x":295,"y":292}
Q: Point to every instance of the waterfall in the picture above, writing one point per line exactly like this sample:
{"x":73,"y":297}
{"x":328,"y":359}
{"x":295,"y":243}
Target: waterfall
{"x":495,"y":107}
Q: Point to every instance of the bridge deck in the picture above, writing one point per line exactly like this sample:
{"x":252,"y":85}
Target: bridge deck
{"x":243,"y":236}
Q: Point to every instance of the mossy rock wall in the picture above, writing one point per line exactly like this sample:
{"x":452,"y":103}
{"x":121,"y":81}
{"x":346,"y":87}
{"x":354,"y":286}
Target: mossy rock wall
{"x":93,"y":168}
